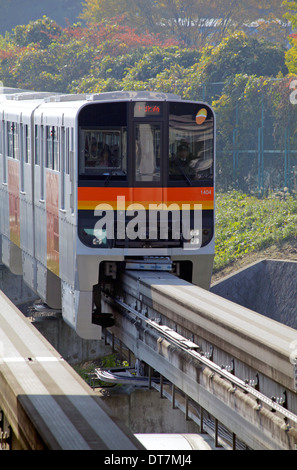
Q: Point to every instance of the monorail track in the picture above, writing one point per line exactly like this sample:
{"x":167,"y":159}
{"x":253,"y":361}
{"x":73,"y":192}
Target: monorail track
{"x":195,"y":338}
{"x":191,"y":349}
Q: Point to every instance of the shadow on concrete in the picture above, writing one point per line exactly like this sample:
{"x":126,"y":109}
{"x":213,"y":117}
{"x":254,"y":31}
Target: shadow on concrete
{"x":268,"y":287}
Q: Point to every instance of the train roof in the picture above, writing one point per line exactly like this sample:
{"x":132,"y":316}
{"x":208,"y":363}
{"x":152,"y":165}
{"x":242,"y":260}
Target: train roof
{"x":15,"y":103}
{"x":128,"y":95}
{"x":14,"y":94}
{"x":57,"y":108}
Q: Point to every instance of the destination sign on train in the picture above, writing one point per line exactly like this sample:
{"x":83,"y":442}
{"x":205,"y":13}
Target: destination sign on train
{"x":143,"y":109}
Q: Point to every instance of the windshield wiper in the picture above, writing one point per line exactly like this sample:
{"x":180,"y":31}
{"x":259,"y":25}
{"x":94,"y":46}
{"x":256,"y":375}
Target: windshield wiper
{"x":184,"y":174}
{"x":112,"y":173}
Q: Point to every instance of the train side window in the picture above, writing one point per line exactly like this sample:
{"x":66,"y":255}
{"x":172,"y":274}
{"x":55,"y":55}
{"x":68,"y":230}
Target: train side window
{"x":9,"y":139}
{"x":56,"y":152}
{"x":67,"y":150}
{"x":27,"y":144}
{"x":52,"y":148}
{"x":23,"y":143}
{"x":16,"y":138}
{"x":71,"y":153}
{"x":49,"y":147}
{"x":12,"y":140}
{"x":36,"y":145}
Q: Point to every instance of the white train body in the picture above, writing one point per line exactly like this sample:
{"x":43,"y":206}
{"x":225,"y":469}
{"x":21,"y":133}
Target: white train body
{"x":40,"y":200}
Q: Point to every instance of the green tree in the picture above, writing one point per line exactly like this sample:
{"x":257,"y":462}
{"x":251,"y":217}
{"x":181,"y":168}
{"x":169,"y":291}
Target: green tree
{"x":236,"y":54}
{"x":158,"y":59}
{"x":291,"y":12}
{"x":193,"y":22}
{"x":94,"y":11}
{"x":42,"y":31}
{"x":42,"y":55}
{"x":291,"y":54}
{"x":50,"y":69}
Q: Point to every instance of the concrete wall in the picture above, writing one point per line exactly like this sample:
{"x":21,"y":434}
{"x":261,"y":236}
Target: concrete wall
{"x":14,"y":287}
{"x":51,"y":325}
{"x":143,"y":411}
{"x":268,"y":287}
{"x":65,"y":340}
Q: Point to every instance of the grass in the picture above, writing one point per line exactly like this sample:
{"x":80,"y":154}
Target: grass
{"x":245,"y":224}
{"x":87,"y":369}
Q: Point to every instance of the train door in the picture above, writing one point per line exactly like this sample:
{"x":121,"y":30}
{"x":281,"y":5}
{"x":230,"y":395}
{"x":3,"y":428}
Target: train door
{"x":147,"y":175}
{"x":147,"y":139}
{"x":147,"y":168}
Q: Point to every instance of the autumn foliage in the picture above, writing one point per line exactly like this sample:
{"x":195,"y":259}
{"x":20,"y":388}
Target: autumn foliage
{"x":43,"y":55}
{"x":242,"y":76}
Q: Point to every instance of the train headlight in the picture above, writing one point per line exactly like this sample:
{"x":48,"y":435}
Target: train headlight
{"x":99,"y":237}
{"x":194,"y":233}
{"x":194,"y":236}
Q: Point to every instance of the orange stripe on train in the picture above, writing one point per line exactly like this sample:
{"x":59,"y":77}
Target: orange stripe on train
{"x":89,"y":198}
{"x":140,"y":194}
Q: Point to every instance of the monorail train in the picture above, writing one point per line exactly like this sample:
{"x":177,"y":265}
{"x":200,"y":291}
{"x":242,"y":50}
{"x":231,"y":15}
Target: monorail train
{"x":94,"y":183}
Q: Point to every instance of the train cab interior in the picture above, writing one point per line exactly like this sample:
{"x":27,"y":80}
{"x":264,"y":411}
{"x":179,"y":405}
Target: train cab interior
{"x":109,"y":132}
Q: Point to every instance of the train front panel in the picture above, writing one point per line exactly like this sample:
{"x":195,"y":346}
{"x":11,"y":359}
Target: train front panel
{"x":146,"y":178}
{"x":145,"y":188}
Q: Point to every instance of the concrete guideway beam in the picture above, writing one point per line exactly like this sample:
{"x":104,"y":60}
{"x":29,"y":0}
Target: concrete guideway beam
{"x":261,"y":343}
{"x":202,"y":313}
{"x":255,"y":425}
{"x":47,"y":405}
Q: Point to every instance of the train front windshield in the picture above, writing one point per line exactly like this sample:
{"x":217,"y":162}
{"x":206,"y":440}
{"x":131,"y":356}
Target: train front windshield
{"x":191,"y":143}
{"x":137,"y":153}
{"x":103,"y":142}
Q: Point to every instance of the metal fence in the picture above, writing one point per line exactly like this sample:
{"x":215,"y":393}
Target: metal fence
{"x":256,"y":147}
